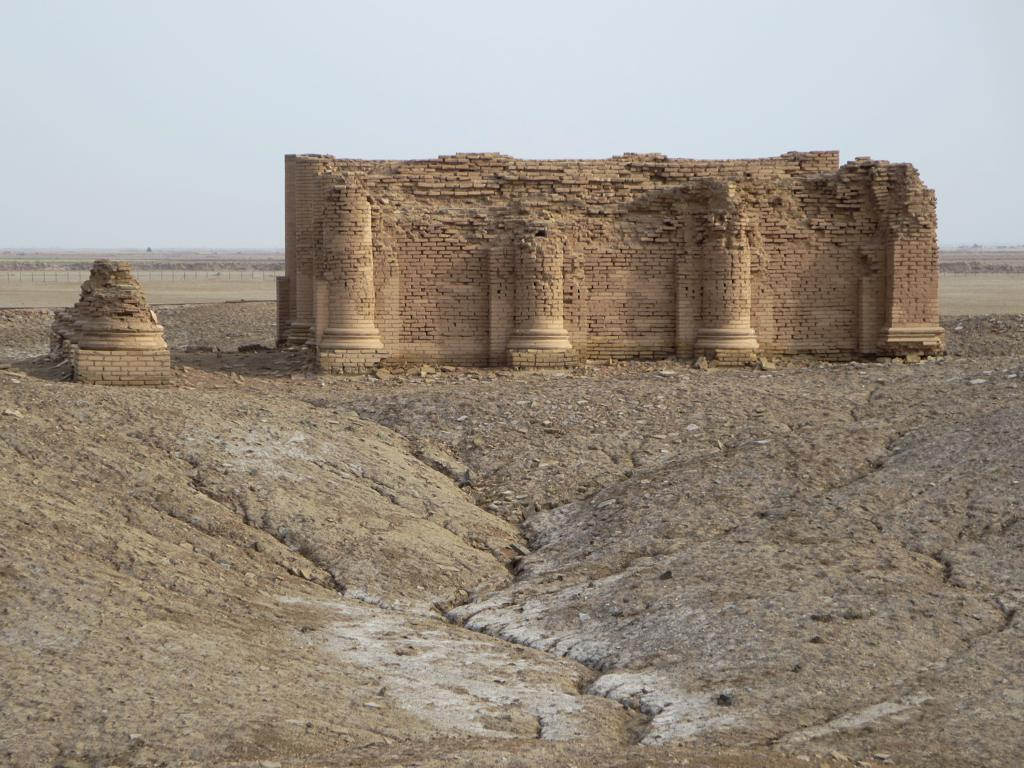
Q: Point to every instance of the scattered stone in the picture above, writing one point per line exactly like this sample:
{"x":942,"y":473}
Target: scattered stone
{"x":724,"y":700}
{"x":382,"y":374}
{"x":301,"y":572}
{"x":701,"y":363}
{"x":442,"y":461}
{"x":977,"y":381}
{"x":11,"y":412}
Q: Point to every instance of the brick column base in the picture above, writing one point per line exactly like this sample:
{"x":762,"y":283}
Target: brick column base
{"x":348,"y":360}
{"x":923,"y":339}
{"x":727,"y":346}
{"x":543,"y":358}
{"x":122,"y":367}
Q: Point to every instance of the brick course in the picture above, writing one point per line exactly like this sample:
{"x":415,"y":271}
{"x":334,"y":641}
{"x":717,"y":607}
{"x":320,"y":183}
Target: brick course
{"x":485,"y":259}
{"x":111,"y":336}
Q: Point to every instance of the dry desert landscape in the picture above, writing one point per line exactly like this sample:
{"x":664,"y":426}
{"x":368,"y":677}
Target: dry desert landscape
{"x":466,"y":385}
{"x":641,"y":563}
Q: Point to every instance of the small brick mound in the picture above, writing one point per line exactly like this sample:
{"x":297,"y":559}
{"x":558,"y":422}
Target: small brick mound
{"x":111,"y":336}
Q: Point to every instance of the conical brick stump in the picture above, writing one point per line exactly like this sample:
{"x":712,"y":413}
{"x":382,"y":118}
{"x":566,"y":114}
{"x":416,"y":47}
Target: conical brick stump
{"x":115,"y":338}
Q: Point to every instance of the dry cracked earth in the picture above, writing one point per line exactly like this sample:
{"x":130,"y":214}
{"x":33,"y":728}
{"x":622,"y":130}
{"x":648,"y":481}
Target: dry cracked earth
{"x":624,"y":565}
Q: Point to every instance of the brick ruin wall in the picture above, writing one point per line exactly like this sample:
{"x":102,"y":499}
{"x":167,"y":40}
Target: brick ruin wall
{"x":111,"y":335}
{"x":483,"y":259}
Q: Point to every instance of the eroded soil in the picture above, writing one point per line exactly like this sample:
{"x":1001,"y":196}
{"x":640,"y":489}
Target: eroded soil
{"x":641,"y":564}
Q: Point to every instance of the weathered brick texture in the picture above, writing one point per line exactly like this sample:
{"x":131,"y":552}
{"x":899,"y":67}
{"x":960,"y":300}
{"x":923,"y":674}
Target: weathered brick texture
{"x":485,"y":259}
{"x":111,"y":336}
{"x":284,"y":309}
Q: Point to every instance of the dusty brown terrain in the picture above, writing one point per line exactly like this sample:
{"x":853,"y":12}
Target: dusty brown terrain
{"x":982,"y":293}
{"x":196,"y":289}
{"x":982,"y":281}
{"x":982,"y":260}
{"x":51,"y":278}
{"x":639,"y":564}
{"x":161,"y":258}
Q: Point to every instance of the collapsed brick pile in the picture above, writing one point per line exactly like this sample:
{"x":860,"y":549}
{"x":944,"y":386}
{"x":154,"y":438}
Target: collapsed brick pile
{"x":111,"y":336}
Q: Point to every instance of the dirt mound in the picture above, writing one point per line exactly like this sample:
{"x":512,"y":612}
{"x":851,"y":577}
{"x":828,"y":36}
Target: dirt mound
{"x":731,"y":568}
{"x":170,"y":552}
{"x":984,"y":335}
{"x":24,"y":333}
{"x":797,"y":590}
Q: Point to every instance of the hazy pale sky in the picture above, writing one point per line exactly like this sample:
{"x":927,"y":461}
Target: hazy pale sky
{"x":133,"y":124}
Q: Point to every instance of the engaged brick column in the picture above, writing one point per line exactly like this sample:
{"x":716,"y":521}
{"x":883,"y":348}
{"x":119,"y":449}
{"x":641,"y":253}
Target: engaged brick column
{"x":283,"y":292}
{"x":351,"y":341}
{"x":286,"y":284}
{"x":540,"y":338}
{"x":725,"y":334}
{"x":302,"y":201}
{"x":911,"y":294}
{"x":299,"y":332}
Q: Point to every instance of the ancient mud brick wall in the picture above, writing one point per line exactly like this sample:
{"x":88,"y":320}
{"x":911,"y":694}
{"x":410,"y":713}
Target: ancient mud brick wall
{"x":111,"y":336}
{"x":485,"y":259}
{"x":284,"y":309}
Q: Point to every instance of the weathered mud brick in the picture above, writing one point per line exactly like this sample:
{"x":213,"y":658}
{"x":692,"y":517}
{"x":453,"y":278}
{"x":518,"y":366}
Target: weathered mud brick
{"x":111,"y":336}
{"x":484,"y":259}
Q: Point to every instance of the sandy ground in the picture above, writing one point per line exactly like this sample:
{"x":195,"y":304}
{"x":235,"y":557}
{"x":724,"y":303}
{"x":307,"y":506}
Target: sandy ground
{"x":978,"y":294}
{"x":64,"y":294}
{"x":1008,"y":259}
{"x":638,"y":564}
